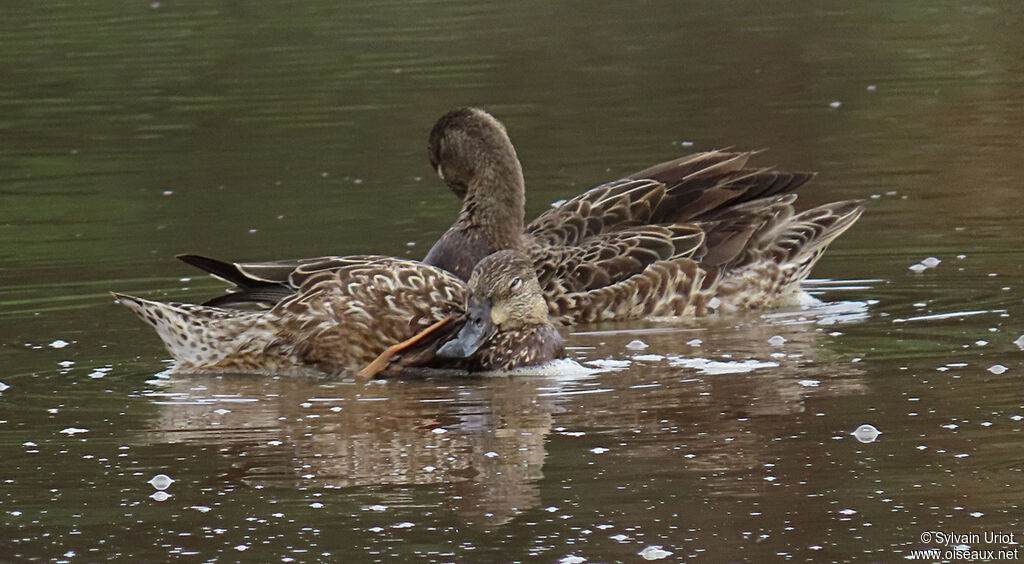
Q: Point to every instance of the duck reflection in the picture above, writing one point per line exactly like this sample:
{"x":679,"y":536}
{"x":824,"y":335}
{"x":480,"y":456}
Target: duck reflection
{"x":484,"y":436}
{"x":709,"y":400}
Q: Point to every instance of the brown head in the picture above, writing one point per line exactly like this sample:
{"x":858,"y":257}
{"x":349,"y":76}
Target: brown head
{"x":474,"y":156}
{"x":504,"y":295}
{"x":468,"y":144}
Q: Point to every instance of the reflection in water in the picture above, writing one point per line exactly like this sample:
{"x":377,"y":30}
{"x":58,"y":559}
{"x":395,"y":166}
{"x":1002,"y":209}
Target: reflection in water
{"x":711,"y":413}
{"x":486,"y":435}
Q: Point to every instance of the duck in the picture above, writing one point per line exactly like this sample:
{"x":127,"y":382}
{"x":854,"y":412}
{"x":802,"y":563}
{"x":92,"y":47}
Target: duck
{"x":700,"y":233}
{"x":372,"y":316}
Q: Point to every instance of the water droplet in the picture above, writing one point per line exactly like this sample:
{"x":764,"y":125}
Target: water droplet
{"x":160,"y":496}
{"x":866,"y":433}
{"x":636,"y":344}
{"x":654,"y":552}
{"x":161,"y":481}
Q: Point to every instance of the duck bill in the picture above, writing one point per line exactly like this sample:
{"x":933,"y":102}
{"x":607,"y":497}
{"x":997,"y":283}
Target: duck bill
{"x":474,"y":333}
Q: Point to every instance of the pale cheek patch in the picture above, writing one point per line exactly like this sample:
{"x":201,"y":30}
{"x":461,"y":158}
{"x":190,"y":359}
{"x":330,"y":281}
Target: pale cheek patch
{"x":499,"y":315}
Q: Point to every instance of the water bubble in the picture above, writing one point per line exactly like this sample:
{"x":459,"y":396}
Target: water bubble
{"x":5,"y":387}
{"x":997,"y":369}
{"x":160,"y":496}
{"x":918,"y":267}
{"x":835,"y":104}
{"x":572,"y":559}
{"x":598,"y":450}
{"x":161,"y":481}
{"x":931,"y":262}
{"x":59,"y":344}
{"x":866,"y":433}
{"x":73,"y":431}
{"x":654,"y":552}
{"x":1019,"y":342}
{"x":698,"y":342}
{"x":776,"y":340}
{"x":636,"y":344}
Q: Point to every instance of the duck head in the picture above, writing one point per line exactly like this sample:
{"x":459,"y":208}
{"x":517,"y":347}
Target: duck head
{"x":504,"y":295}
{"x":468,"y":147}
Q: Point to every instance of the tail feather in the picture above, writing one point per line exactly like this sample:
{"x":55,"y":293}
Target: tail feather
{"x":782,"y":254}
{"x":197,"y":336}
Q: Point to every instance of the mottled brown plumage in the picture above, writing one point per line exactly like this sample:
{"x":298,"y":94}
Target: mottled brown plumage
{"x":342,"y":318}
{"x":665,"y":241}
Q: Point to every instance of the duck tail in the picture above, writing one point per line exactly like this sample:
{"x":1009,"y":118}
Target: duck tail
{"x":196,"y":336}
{"x":781,"y":254}
{"x":804,"y":238}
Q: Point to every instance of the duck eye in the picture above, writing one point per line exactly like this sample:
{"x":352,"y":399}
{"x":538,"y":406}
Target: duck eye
{"x":516,"y":282}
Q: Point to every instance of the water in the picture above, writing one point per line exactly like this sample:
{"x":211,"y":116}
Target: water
{"x":130,"y":133}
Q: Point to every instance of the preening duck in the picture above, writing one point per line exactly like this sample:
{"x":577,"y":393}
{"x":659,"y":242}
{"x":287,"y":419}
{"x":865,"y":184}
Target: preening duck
{"x":344,"y":318}
{"x":700,"y":232}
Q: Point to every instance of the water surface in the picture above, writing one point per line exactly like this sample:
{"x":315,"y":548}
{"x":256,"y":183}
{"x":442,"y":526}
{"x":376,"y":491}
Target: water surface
{"x":131,"y":132}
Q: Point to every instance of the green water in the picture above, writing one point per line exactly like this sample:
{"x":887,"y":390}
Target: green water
{"x":133,"y":131}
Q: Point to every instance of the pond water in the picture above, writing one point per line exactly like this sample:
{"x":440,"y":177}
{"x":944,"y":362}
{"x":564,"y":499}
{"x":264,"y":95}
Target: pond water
{"x":133,"y":131}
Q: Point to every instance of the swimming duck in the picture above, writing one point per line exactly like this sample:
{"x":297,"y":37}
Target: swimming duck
{"x":679,"y":238}
{"x":347,"y":317}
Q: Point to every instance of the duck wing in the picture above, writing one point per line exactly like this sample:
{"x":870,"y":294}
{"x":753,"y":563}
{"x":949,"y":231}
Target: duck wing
{"x":608,"y":258}
{"x":349,"y":314}
{"x":678,"y":191}
{"x":266,"y":283}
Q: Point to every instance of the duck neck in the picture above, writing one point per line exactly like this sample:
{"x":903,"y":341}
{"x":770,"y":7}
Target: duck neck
{"x":495,"y":202}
